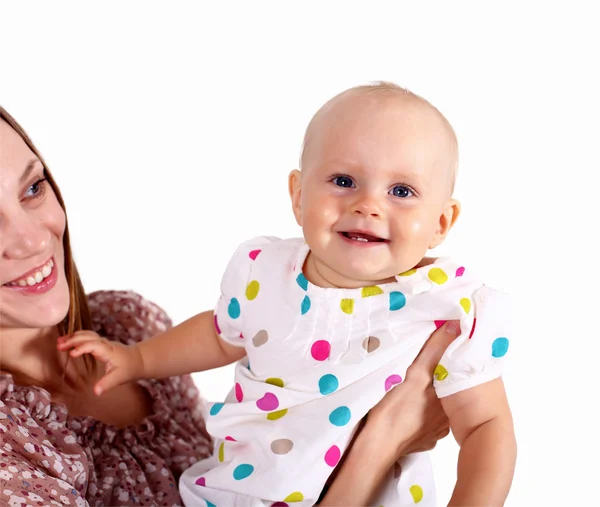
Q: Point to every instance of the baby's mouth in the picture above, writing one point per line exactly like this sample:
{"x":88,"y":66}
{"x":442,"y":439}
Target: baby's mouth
{"x":363,"y":237}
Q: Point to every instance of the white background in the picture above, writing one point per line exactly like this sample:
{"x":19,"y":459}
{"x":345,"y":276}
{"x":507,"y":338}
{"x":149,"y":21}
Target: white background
{"x":171,"y":130}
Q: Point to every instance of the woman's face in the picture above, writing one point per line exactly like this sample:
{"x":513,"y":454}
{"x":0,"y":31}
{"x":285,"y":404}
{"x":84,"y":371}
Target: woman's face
{"x":33,"y":288}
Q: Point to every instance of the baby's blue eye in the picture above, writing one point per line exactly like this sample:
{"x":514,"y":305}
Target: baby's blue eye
{"x":401,"y":191}
{"x":343,"y":181}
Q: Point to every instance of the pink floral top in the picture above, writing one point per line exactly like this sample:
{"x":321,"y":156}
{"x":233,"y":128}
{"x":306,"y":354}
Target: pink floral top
{"x":48,"y":457}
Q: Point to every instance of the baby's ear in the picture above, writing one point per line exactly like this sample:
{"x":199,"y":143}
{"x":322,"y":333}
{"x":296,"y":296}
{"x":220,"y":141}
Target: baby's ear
{"x":295,"y":189}
{"x":447,"y":219}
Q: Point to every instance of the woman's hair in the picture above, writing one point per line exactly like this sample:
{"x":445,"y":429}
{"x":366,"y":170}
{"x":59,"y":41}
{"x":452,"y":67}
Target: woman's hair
{"x":79,"y":316}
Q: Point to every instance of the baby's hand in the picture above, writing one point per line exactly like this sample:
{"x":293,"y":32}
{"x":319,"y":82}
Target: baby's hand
{"x":123,"y":363}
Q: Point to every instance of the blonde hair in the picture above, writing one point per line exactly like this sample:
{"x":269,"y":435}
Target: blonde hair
{"x":385,"y":88}
{"x":78,"y":317}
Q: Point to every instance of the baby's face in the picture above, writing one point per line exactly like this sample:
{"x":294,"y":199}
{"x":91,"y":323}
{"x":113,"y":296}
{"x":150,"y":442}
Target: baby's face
{"x":375,"y":188}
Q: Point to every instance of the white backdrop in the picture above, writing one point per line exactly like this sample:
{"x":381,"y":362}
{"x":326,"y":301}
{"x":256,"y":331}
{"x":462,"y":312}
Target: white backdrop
{"x":171,"y":131}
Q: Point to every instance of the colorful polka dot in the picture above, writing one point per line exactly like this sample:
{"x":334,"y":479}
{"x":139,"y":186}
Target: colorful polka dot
{"x":397,"y":470}
{"x":216,"y":322}
{"x":239,"y":394}
{"x":279,"y":504}
{"x":252,"y":290}
{"x":439,"y":323}
{"x":234,"y":309}
{"x":416,"y":492}
{"x":305,"y":306}
{"x":340,"y":416}
{"x":268,"y":402}
{"x":371,"y":291}
{"x":294,"y":497}
{"x":460,"y":271}
{"x":302,"y":281}
{"x":371,"y":343}
{"x":201,"y":481}
{"x":328,"y":384}
{"x":333,"y":455}
{"x":222,"y":452}
{"x":500,"y":347}
{"x":440,"y":373}
{"x":230,"y":439}
{"x":216,"y":408}
{"x":397,"y":300}
{"x":391,"y":381}
{"x":274,"y":382}
{"x":473,"y":328}
{"x":209,"y":504}
{"x":320,"y":350}
{"x":281,"y":446}
{"x":242,"y":471}
{"x":273,"y":416}
{"x":260,"y":338}
{"x":408,"y":273}
{"x":466,"y":304}
{"x":347,"y":306}
{"x":437,"y":275}
{"x":254,"y":254}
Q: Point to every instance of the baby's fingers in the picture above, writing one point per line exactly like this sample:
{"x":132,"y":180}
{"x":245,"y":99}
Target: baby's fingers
{"x":68,"y":342}
{"x":100,"y":350}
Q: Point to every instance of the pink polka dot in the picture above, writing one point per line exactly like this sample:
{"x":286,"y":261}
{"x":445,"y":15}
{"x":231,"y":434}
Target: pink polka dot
{"x":239,"y":394}
{"x":279,"y":504}
{"x":254,"y":254}
{"x":333,"y":455}
{"x":320,"y":350}
{"x":217,"y":328}
{"x":391,"y":381}
{"x":439,"y":323}
{"x":231,"y":439}
{"x":201,"y":481}
{"x":460,"y":271}
{"x":241,"y":336}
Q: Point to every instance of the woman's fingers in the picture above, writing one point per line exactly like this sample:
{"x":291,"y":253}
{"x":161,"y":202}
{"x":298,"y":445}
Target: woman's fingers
{"x":436,"y":345}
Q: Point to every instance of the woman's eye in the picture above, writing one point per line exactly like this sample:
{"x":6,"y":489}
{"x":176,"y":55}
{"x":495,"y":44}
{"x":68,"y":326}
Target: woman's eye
{"x":343,"y":181}
{"x":36,"y":189}
{"x":401,"y":191}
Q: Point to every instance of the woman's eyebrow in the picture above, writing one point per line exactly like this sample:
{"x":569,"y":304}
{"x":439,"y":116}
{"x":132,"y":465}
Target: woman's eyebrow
{"x":28,"y":170}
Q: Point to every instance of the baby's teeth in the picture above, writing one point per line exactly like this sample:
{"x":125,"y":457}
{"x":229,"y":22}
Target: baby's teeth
{"x":46,"y":270}
{"x":30,"y":281}
{"x":38,"y":277}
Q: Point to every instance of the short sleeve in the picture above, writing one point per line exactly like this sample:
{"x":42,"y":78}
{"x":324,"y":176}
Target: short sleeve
{"x":479,"y":354}
{"x":237,"y":289}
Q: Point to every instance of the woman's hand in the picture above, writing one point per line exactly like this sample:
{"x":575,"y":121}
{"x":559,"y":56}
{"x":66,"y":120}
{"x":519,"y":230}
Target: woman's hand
{"x":409,"y":417}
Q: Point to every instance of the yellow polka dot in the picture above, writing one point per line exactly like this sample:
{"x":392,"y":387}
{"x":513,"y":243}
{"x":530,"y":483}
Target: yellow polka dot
{"x":440,"y":373}
{"x":466,"y":304}
{"x":347,"y":305}
{"x":408,"y":273}
{"x":437,"y":275}
{"x":416,"y":492}
{"x":273,"y":416}
{"x":252,"y":290}
{"x":222,"y":452}
{"x":294,"y":497}
{"x":275,"y":382}
{"x":371,"y":291}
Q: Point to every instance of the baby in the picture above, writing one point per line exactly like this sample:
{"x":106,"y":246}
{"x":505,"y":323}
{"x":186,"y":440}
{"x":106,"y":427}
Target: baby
{"x":323,"y":326}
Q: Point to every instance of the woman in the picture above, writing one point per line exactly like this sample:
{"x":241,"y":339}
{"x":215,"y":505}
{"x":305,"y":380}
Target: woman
{"x":62,"y":445}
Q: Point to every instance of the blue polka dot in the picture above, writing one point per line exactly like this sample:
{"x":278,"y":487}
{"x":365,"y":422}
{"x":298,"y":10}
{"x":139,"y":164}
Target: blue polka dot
{"x":305,"y":305}
{"x":499,"y":347}
{"x":234,"y":308}
{"x":397,"y":300}
{"x":340,"y":416}
{"x":216,"y":408}
{"x":328,"y":383}
{"x":302,"y":281}
{"x":242,"y":471}
{"x":209,"y":504}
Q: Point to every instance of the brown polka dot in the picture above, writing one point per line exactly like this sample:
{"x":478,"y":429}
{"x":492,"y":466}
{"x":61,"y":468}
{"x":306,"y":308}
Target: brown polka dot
{"x":282,"y":446}
{"x":397,"y":470}
{"x":260,"y":338}
{"x":371,"y":343}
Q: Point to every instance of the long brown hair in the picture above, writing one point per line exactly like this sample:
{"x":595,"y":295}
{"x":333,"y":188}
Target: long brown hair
{"x":78,"y":316}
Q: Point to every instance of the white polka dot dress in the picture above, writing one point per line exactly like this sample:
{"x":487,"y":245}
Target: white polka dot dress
{"x":318,"y":359}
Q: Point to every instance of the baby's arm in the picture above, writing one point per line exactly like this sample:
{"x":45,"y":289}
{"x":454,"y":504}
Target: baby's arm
{"x":481,"y":423}
{"x":193,"y":345}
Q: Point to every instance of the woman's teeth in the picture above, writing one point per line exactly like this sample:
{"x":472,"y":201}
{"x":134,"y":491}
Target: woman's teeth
{"x":37,"y":277}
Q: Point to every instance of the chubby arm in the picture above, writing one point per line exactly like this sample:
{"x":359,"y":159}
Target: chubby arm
{"x":193,"y":345}
{"x":481,"y":422}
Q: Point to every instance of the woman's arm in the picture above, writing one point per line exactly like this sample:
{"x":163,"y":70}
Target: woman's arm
{"x":422,"y":423}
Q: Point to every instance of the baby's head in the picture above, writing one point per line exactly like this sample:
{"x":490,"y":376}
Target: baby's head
{"x":374,"y":190}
